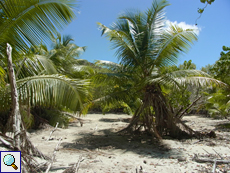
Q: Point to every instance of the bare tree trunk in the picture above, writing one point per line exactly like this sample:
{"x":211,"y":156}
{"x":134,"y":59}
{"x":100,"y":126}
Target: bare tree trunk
{"x":15,"y":105}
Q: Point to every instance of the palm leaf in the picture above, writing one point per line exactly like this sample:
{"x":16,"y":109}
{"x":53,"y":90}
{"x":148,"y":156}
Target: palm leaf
{"x":2,"y":75}
{"x":24,"y":22}
{"x":35,"y":65}
{"x":174,"y":41}
{"x":200,"y":81}
{"x":50,"y":91}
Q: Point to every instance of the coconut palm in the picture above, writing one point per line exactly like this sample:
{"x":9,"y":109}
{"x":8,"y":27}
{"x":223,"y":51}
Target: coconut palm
{"x":144,"y":46}
{"x":64,"y":54}
{"x":24,"y":24}
{"x":28,"y":23}
{"x":41,"y":87}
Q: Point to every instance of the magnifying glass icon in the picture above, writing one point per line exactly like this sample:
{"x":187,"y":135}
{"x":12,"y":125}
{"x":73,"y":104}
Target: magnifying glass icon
{"x":9,"y":160}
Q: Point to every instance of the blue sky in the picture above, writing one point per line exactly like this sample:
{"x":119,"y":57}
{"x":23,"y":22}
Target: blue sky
{"x":214,"y":26}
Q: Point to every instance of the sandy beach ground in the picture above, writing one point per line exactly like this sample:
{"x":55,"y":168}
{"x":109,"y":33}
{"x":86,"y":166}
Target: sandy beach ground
{"x":104,"y":151}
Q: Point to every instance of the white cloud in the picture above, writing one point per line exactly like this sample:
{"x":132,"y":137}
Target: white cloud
{"x":184,"y":26}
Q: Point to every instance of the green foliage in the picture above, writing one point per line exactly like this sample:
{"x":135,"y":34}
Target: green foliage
{"x":208,"y":1}
{"x":221,"y":68}
{"x":187,"y":65}
{"x":179,"y":97}
{"x":208,"y":69}
{"x":148,"y":54}
{"x":218,"y":103}
{"x":27,"y":117}
{"x":201,"y":10}
{"x":64,"y":53}
{"x":24,"y":23}
{"x":2,"y":76}
{"x":54,"y":116}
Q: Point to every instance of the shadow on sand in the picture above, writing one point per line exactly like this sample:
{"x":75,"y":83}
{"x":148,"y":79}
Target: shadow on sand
{"x":110,"y":120}
{"x":109,"y":140}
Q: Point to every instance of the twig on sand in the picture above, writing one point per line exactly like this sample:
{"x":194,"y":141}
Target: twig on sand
{"x":214,"y":167}
{"x":78,"y":163}
{"x":203,"y":160}
{"x":206,"y":151}
{"x":217,"y":154}
{"x":75,"y":167}
{"x":53,"y":131}
{"x":53,"y":157}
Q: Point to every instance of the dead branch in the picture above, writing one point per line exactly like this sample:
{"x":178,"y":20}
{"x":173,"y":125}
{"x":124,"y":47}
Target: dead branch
{"x":15,"y":104}
{"x":6,"y":143}
{"x":204,"y":160}
{"x":180,"y":116}
{"x":217,"y":154}
{"x":206,"y":151}
{"x":53,"y":131}
{"x":75,"y":167}
{"x":53,"y":157}
{"x":73,"y":116}
{"x":214,"y":167}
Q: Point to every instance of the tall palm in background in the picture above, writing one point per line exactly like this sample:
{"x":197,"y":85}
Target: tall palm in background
{"x":64,"y":53}
{"x":145,"y":45}
{"x":25,"y":24}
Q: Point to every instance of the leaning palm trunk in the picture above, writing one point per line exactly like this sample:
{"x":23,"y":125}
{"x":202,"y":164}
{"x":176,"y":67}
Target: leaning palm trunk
{"x":20,"y":139}
{"x":155,"y":117}
{"x":15,"y":105}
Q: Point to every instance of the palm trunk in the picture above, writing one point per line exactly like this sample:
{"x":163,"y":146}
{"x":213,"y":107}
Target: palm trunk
{"x":15,"y":105}
{"x":155,"y":115}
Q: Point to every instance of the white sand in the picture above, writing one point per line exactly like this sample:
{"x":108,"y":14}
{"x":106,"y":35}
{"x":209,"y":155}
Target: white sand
{"x":104,"y":151}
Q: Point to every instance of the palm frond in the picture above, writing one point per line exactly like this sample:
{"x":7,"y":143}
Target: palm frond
{"x":34,"y":65}
{"x":181,"y":78}
{"x":187,"y":73}
{"x":125,"y":49}
{"x":108,"y":65}
{"x":50,"y":91}
{"x":174,"y":41}
{"x":2,"y":76}
{"x":25,"y":23}
{"x":200,"y":81}
{"x":57,"y":90}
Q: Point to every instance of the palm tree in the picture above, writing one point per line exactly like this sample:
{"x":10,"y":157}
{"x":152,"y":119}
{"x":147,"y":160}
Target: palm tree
{"x":24,"y":24}
{"x":64,"y":54}
{"x":144,"y":46}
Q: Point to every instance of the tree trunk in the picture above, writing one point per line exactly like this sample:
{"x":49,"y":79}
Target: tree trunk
{"x":15,"y":105}
{"x":156,"y":116}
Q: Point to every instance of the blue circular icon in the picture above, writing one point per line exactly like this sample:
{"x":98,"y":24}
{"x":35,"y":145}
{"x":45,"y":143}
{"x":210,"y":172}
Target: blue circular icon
{"x":9,"y":161}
